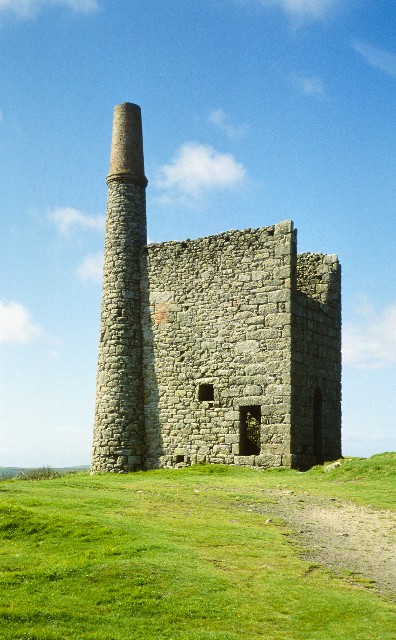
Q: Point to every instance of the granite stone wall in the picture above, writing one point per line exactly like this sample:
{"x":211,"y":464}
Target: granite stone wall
{"x":223,"y":349}
{"x":119,"y":438}
{"x":217,"y":312}
{"x":316,"y":360}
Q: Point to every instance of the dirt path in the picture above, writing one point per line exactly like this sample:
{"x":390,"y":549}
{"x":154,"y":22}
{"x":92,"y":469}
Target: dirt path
{"x":340,"y":535}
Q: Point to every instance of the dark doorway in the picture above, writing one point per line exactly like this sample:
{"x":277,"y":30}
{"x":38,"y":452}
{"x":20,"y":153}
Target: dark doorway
{"x":318,"y":426}
{"x":249,"y":430}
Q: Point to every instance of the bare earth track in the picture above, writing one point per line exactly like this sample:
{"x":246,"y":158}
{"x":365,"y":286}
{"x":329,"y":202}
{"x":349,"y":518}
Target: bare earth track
{"x":340,"y":535}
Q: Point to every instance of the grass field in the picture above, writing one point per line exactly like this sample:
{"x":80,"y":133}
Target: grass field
{"x":175,"y":555}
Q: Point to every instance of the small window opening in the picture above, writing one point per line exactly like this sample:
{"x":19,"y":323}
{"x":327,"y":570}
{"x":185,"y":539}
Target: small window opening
{"x":318,"y":426}
{"x":179,"y":459}
{"x":206,"y":392}
{"x":250,"y":430}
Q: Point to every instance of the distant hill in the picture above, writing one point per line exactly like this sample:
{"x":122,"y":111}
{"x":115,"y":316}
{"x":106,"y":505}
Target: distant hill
{"x":14,"y":471}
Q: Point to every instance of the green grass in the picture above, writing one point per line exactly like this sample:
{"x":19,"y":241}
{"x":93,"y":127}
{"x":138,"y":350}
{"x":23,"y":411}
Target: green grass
{"x":365,"y":481}
{"x":173,"y":555}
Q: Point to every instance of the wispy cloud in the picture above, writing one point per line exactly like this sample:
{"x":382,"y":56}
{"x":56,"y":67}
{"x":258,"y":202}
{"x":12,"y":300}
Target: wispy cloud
{"x":370,"y":341}
{"x":91,"y":268}
{"x":301,"y":10}
{"x":221,"y":120}
{"x":29,"y":8}
{"x":198,"y":168}
{"x":308,"y":84}
{"x":67,"y":218}
{"x":16,"y":325}
{"x":378,"y":58}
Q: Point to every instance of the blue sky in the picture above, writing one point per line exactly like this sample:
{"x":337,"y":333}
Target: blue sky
{"x":254,"y":111}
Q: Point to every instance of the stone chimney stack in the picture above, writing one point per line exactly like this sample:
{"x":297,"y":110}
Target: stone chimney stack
{"x":119,"y":433}
{"x":126,"y":159}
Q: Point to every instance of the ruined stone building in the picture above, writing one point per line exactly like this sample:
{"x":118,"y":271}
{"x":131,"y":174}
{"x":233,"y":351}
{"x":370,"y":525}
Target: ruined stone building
{"x":223,"y":349}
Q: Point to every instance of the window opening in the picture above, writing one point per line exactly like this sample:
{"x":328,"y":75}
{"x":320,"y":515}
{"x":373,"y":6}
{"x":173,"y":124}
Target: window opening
{"x":206,"y":392}
{"x":318,"y":426}
{"x":179,"y":459}
{"x":249,"y":430}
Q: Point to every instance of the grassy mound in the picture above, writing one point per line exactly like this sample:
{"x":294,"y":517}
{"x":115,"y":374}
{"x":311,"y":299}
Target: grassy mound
{"x":173,"y":555}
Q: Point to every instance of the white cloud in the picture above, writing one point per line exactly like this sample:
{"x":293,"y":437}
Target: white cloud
{"x":378,"y":58}
{"x":15,"y":324}
{"x":316,"y":9}
{"x":67,"y":218}
{"x":28,"y":8}
{"x":370,"y":341}
{"x":221,"y":121}
{"x":301,"y":10}
{"x":81,"y":6}
{"x":52,"y":354}
{"x":198,"y":168}
{"x":309,"y":85}
{"x":91,"y":268}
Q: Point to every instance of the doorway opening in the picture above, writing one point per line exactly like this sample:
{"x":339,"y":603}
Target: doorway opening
{"x":249,"y":430}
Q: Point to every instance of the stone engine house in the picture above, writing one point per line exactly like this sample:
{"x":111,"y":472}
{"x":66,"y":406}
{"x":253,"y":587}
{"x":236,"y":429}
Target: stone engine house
{"x":224,"y":349}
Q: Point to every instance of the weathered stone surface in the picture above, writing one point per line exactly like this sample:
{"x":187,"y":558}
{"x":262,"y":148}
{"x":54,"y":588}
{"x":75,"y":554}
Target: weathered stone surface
{"x":119,"y":389}
{"x":206,"y":342}
{"x":316,"y":358}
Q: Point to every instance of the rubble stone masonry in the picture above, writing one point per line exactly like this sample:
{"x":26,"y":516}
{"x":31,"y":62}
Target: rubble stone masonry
{"x":223,"y":349}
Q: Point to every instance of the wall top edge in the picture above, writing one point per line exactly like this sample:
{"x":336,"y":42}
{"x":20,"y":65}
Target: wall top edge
{"x":275,"y":230}
{"x":328,"y":258}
